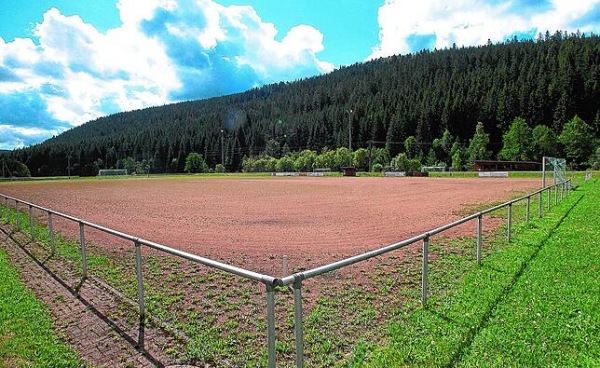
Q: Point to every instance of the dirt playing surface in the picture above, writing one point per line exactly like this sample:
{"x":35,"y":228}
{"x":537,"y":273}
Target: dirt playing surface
{"x":253,"y":222}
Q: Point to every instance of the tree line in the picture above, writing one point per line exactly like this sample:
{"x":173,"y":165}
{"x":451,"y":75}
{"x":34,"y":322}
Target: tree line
{"x":428,"y":106}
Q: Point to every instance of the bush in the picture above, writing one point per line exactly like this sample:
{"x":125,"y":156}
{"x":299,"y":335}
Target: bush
{"x":219,"y":168}
{"x":377,"y":168}
{"x":194,"y":163}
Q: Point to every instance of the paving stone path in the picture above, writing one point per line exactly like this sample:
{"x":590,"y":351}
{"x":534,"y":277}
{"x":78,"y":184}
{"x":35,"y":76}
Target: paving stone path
{"x":96,"y":322}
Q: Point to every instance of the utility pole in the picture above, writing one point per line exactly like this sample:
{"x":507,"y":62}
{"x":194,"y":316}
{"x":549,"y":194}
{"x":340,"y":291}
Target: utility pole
{"x":370,"y":153}
{"x":222,"y":151}
{"x":350,"y":129}
{"x":69,"y":164}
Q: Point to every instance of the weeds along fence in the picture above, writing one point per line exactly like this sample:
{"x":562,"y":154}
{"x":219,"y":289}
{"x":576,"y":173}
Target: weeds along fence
{"x":553,"y":193}
{"x":269,"y":282}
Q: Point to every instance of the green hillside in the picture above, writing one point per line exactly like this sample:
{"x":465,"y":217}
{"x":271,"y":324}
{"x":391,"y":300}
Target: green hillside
{"x":545,"y":82}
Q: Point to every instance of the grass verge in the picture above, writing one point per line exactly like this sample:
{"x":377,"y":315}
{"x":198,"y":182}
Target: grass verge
{"x":533,"y":302}
{"x":27,"y":337}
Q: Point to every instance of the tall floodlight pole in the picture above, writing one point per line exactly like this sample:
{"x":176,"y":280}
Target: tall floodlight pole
{"x":222,"y":150}
{"x":370,"y":153}
{"x":69,"y":164}
{"x":350,"y":130}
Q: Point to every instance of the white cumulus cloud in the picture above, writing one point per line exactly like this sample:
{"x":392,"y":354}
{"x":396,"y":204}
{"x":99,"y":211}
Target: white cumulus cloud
{"x":164,"y":51}
{"x":474,"y":22}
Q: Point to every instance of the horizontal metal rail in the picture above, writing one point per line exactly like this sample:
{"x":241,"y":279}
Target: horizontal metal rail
{"x":299,"y":276}
{"x":266,"y":279}
{"x":348,"y":261}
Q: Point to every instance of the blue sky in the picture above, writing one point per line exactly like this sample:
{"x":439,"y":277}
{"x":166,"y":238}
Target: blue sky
{"x":66,"y":62}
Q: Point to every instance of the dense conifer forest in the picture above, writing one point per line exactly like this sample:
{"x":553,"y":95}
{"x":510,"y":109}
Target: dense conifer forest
{"x":444,"y":107}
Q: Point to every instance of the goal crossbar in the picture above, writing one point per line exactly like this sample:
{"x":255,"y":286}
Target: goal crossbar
{"x":112,"y":172}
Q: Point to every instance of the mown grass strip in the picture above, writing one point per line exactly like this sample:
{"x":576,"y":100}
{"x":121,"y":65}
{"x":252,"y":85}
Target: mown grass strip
{"x":551,"y":317}
{"x":533,"y":302}
{"x":27,"y":336}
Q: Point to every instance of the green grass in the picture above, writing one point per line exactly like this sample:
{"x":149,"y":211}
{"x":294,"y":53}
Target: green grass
{"x":27,"y":336}
{"x":533,"y":303}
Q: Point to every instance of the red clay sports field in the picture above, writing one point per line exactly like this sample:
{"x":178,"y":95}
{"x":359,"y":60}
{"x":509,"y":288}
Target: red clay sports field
{"x":252,"y":222}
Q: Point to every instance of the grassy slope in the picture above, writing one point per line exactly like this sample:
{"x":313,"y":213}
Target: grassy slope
{"x":27,"y":338}
{"x":533,"y":303}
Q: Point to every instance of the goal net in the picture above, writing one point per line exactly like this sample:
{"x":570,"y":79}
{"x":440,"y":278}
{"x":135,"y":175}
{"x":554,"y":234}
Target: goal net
{"x":112,"y":172}
{"x":554,"y":169}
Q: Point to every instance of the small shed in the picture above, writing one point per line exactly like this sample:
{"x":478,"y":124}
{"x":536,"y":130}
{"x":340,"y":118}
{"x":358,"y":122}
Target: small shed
{"x":349,"y":171}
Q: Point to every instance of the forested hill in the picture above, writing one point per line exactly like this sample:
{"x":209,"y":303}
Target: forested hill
{"x":547,"y":81}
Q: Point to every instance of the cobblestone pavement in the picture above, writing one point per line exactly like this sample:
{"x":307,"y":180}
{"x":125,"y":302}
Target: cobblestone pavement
{"x":95,"y":321}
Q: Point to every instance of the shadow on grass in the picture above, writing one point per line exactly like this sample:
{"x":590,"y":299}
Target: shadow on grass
{"x":472,"y":333}
{"x":75,"y":291}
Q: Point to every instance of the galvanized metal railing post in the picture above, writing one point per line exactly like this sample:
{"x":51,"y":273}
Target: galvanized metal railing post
{"x":540,"y":205}
{"x":83,"y":251}
{"x":271,"y":326}
{"x":7,"y":205}
{"x":31,"y":230}
{"x":424,"y":271}
{"x":51,"y":231}
{"x":479,"y":237}
{"x":140,"y":279}
{"x":140,"y":282}
{"x":527,"y":210}
{"x":548,"y":197}
{"x":298,"y":328}
{"x":509,"y":222}
{"x":17,"y":217}
{"x":556,"y":194}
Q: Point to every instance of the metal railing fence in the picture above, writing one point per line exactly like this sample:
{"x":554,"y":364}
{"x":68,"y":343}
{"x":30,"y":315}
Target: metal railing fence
{"x":269,"y":281}
{"x":296,"y":279}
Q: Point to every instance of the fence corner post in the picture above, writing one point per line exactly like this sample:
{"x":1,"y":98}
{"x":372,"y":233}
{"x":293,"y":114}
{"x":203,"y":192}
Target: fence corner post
{"x":271,"y":325}
{"x":298,"y":327}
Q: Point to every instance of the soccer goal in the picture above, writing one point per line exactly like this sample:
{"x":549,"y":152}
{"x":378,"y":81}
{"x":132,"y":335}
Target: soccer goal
{"x":556,"y":168}
{"x":112,"y":172}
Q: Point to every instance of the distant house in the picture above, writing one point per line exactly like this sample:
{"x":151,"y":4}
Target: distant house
{"x":485,"y":165}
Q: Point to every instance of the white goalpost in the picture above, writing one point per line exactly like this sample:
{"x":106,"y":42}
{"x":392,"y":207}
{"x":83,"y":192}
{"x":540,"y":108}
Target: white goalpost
{"x":556,"y":166}
{"x":112,"y":172}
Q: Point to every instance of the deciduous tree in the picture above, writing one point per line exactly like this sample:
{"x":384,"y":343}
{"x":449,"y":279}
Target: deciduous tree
{"x":517,"y":145}
{"x":578,"y":140}
{"x":478,"y":145}
{"x":194,"y":163}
